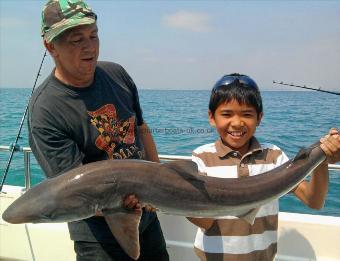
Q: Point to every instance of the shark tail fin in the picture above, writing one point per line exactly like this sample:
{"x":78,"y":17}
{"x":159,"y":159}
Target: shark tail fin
{"x":124,"y":226}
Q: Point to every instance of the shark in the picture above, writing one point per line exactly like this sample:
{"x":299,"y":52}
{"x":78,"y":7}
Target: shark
{"x":174,"y":188}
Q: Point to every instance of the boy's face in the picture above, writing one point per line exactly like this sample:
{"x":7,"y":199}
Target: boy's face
{"x":236,"y":124}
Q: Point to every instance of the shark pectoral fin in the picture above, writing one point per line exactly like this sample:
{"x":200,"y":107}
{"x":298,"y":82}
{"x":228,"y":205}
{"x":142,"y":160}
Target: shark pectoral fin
{"x":249,"y":216}
{"x":124,"y":227}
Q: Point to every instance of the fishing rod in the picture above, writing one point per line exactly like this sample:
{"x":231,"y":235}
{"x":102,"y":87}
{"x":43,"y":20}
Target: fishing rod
{"x":14,"y":145}
{"x":305,"y":87}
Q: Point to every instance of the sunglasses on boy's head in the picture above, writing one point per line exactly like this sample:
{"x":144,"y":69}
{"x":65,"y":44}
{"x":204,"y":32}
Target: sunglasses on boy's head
{"x":236,"y":79}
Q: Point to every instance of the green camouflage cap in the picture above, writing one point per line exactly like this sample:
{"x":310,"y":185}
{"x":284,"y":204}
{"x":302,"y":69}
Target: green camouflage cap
{"x":60,"y":15}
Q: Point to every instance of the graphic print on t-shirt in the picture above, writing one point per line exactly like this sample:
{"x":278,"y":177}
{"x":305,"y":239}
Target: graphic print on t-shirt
{"x":114,"y":133}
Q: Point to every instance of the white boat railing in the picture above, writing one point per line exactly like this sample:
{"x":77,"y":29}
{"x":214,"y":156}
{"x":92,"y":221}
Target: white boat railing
{"x":27,"y":161}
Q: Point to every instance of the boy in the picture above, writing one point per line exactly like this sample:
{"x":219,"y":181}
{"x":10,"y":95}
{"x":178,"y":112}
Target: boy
{"x":235,"y":110}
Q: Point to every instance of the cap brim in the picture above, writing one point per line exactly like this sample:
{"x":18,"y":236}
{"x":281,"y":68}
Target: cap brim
{"x":60,"y":28}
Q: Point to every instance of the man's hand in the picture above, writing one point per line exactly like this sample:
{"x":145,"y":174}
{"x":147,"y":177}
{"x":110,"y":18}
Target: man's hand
{"x":330,"y":144}
{"x":132,"y":202}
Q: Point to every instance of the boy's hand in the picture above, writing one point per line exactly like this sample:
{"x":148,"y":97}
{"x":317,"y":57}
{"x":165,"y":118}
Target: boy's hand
{"x":330,"y":144}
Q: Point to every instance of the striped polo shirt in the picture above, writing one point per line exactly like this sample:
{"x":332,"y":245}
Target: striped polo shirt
{"x":231,"y":238}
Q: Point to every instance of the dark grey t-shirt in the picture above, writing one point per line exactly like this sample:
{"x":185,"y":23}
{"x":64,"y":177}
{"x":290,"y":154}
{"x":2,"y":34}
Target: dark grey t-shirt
{"x":70,"y":126}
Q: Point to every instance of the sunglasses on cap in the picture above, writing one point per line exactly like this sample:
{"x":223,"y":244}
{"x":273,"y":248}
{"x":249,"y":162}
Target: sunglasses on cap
{"x":236,"y":79}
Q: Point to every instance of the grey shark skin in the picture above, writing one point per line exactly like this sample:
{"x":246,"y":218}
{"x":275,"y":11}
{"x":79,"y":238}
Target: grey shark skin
{"x":175,"y":188}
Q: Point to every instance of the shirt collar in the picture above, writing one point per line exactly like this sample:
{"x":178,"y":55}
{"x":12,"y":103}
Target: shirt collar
{"x":223,"y":150}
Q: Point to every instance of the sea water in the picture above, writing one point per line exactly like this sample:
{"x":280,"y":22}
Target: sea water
{"x":178,"y":120}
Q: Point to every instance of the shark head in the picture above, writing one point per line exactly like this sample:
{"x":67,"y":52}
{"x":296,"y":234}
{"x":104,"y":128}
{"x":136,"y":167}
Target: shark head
{"x":48,"y":203}
{"x":62,"y":199}
{"x":46,"y":208}
{"x":29,"y":209}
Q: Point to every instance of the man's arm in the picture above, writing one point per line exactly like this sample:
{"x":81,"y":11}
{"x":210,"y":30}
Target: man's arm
{"x":150,"y":149}
{"x":131,"y":201}
{"x":50,"y":143}
{"x":314,"y":192}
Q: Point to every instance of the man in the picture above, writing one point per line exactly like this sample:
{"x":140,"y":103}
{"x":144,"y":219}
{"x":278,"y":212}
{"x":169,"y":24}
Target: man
{"x":87,"y":111}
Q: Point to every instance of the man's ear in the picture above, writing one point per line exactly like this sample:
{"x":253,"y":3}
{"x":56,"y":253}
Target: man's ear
{"x":211,"y":119}
{"x":259,"y":118}
{"x":50,"y":48}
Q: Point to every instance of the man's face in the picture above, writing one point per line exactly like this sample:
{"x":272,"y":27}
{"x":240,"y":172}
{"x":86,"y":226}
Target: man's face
{"x":236,"y":124}
{"x":76,"y":52}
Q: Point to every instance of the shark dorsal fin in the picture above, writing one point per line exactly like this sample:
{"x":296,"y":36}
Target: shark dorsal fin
{"x":183,"y":166}
{"x":124,"y":226}
{"x":188,"y":170}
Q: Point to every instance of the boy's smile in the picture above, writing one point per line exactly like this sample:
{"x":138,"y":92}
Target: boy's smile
{"x":236,"y":124}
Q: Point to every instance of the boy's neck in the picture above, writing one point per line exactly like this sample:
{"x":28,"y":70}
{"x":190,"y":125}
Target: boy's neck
{"x":242,"y":151}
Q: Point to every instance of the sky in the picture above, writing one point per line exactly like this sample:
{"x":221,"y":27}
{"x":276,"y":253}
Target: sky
{"x":190,"y":44}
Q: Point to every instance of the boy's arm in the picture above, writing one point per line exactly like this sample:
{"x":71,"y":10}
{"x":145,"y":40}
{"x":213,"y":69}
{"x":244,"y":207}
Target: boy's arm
{"x":313,"y":193}
{"x":204,"y":223}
